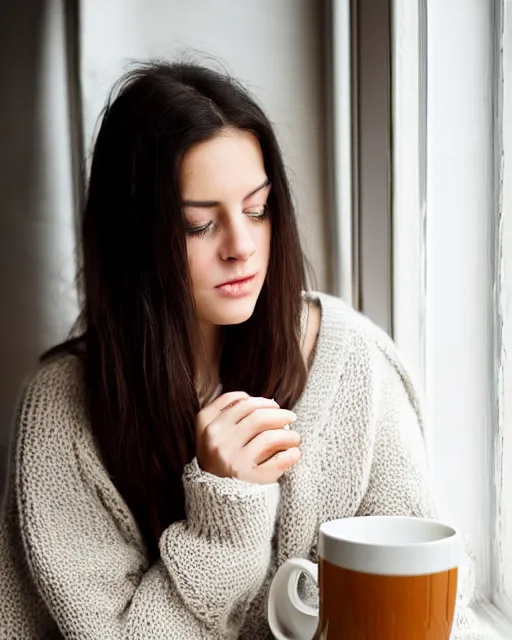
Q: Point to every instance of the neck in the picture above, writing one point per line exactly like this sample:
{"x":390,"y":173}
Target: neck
{"x":208,"y":359}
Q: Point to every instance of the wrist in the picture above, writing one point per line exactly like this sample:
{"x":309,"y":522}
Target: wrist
{"x":219,"y":506}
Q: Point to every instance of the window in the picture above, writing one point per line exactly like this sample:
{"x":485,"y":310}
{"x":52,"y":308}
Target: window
{"x":454,"y":246}
{"x":451,"y":229}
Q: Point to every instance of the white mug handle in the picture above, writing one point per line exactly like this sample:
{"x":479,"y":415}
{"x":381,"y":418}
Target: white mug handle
{"x":290,"y":618}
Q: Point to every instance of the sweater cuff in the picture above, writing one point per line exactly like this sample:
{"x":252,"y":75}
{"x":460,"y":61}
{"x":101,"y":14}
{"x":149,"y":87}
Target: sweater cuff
{"x":227,"y":507}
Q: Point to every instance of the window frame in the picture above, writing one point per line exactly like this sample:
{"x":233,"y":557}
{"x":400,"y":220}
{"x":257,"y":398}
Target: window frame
{"x":414,"y":323}
{"x":502,"y":556}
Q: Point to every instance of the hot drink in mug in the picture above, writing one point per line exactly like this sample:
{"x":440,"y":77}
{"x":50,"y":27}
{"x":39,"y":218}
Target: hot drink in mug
{"x":380,"y":578}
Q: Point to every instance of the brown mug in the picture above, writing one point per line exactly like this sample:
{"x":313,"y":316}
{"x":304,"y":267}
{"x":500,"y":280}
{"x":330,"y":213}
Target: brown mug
{"x":380,"y":577}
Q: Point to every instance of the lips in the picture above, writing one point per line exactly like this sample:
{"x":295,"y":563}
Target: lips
{"x":236,"y":281}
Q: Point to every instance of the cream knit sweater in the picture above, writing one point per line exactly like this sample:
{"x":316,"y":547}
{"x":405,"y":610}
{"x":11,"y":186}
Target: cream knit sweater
{"x":72,"y":559}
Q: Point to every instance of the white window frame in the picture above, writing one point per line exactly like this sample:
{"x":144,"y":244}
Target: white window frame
{"x":358,"y":138}
{"x":472,"y":442}
{"x":502,"y":551}
{"x":409,"y":172}
{"x":342,"y":128}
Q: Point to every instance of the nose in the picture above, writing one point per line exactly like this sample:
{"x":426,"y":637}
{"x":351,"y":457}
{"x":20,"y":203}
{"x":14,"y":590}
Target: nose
{"x":238,"y":242}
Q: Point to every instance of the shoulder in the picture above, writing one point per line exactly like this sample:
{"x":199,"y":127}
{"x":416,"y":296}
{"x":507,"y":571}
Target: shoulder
{"x":342,"y":325}
{"x":354,"y":341}
{"x":56,"y":387}
{"x":52,"y":410}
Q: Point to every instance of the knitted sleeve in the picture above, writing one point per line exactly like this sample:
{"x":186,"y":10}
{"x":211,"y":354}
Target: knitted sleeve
{"x":84,"y":550}
{"x":398,"y":480}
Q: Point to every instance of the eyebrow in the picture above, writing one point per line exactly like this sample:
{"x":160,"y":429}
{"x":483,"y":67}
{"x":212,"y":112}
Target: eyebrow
{"x":216,"y":203}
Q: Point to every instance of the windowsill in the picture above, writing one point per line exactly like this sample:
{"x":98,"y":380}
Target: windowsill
{"x":493,"y":621}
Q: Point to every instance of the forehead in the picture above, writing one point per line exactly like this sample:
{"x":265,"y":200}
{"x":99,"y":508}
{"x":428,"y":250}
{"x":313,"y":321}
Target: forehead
{"x":231,"y":164}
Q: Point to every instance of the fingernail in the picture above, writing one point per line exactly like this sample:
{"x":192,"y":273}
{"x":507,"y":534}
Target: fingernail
{"x":294,"y":416}
{"x":287,"y":427}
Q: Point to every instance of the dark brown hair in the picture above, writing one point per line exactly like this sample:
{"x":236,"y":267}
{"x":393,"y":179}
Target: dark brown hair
{"x":139,"y":321}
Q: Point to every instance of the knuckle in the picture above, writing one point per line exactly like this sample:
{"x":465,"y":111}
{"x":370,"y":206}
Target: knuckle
{"x":212,"y":438}
{"x":234,"y":402}
{"x":251,"y":403}
{"x":279,"y":460}
{"x":210,"y":432}
{"x":251,"y":420}
{"x":268,"y":439}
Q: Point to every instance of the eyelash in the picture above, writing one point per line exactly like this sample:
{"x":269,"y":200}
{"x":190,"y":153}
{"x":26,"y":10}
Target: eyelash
{"x":199,"y":232}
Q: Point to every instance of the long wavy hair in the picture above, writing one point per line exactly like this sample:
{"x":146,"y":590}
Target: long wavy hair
{"x":138,"y":323}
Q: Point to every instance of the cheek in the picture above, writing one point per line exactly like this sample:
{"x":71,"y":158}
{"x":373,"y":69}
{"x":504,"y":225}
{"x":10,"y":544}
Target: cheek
{"x":199,"y":262}
{"x":263,"y":233}
{"x":266,"y":238}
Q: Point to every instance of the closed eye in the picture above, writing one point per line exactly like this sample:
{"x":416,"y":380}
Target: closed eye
{"x":202,"y":230}
{"x":256,"y":213}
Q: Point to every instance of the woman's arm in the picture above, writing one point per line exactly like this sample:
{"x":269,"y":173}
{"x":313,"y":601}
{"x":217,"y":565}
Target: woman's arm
{"x":84,"y":549}
{"x":397,"y":480}
{"x":397,"y":476}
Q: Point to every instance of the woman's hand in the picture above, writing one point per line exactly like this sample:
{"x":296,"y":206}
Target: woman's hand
{"x":238,"y":436}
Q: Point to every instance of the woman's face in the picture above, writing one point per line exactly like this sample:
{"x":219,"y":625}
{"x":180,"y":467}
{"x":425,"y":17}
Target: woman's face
{"x":224,"y":190}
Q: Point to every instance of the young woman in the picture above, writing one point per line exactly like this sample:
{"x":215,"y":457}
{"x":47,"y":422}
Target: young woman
{"x":209,"y":414}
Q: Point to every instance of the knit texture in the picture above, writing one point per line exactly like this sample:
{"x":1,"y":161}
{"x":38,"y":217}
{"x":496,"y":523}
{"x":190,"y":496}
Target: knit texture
{"x":74,"y":564}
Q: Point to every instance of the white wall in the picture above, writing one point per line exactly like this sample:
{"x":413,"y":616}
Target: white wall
{"x":275,"y":48}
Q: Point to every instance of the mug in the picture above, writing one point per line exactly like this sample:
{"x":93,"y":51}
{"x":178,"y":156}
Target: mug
{"x":380,"y":577}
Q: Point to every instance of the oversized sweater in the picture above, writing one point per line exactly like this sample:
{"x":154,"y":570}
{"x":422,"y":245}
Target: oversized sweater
{"x":74,"y":564}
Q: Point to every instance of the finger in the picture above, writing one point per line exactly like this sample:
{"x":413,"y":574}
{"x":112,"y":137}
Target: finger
{"x":220,"y":405}
{"x":267,"y":444}
{"x":260,"y":420}
{"x":274,"y":468}
{"x":240,"y":410}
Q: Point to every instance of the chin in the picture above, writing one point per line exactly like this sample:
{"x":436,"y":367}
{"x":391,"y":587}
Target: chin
{"x":231,"y":312}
